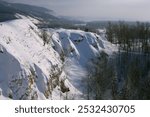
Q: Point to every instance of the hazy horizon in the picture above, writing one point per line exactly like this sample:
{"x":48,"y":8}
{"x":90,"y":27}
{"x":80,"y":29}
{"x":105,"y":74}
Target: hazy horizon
{"x":95,"y":10}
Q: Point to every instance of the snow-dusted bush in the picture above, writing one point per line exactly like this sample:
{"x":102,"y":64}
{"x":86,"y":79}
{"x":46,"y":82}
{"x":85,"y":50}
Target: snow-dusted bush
{"x":63,"y":87}
{"x":45,"y":37}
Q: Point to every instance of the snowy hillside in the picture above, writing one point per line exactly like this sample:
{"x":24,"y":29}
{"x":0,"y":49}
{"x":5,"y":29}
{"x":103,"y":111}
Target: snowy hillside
{"x":30,"y":70}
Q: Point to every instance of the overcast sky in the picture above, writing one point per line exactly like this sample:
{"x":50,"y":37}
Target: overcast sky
{"x":97,"y":9}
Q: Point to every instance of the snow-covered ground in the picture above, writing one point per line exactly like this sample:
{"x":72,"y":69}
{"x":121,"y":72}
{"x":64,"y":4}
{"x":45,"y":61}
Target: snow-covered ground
{"x":30,"y":70}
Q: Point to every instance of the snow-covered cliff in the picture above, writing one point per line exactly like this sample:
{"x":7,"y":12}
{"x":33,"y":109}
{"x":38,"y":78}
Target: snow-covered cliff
{"x":30,"y":70}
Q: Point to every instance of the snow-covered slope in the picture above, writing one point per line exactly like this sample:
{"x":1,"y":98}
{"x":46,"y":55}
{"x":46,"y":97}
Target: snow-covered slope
{"x":80,"y":45}
{"x":29,"y":70}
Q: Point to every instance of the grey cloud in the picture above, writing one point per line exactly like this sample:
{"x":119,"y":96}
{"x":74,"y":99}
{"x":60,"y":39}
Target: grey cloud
{"x":96,"y":9}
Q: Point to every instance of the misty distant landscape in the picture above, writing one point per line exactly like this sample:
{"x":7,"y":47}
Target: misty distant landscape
{"x":48,"y":51}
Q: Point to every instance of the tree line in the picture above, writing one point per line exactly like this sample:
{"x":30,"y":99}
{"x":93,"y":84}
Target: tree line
{"x":130,"y":37}
{"x":125,"y":76}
